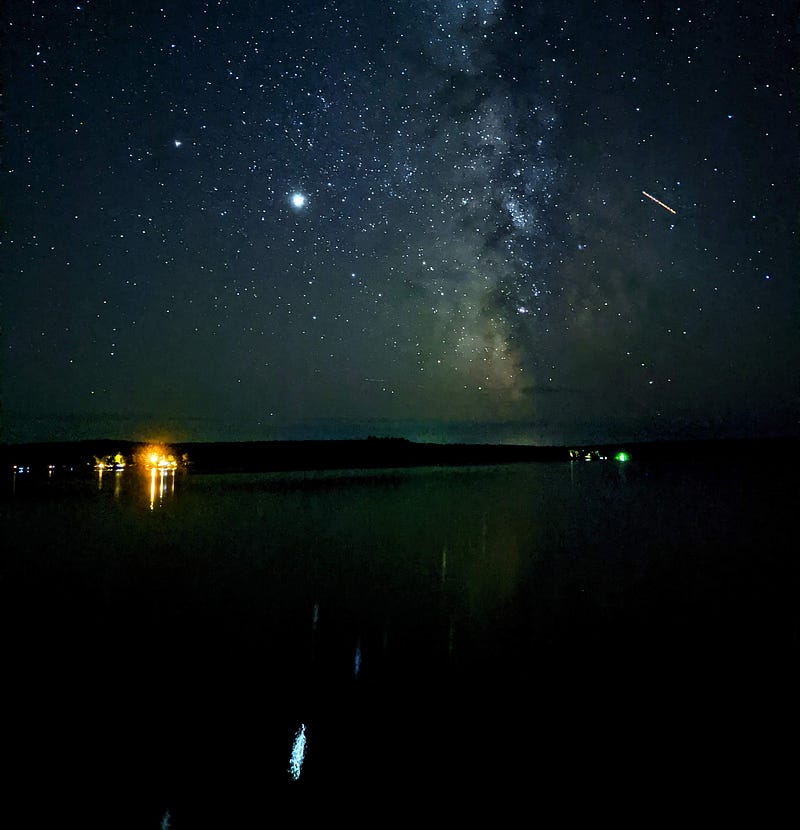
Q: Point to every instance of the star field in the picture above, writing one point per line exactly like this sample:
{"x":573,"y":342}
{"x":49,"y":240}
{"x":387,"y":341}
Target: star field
{"x":260,"y":220}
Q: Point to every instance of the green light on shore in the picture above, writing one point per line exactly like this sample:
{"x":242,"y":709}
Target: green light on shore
{"x":622,"y":456}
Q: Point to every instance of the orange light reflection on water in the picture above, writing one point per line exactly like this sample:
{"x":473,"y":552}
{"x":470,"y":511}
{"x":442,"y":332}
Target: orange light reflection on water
{"x":161,"y":463}
{"x":161,"y":480}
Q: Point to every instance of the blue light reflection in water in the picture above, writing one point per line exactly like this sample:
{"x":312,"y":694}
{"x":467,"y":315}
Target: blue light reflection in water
{"x":298,"y":753}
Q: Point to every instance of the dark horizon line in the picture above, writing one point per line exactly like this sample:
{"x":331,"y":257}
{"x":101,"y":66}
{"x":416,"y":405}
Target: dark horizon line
{"x":386,"y":451}
{"x":397,"y":439}
{"x":727,"y":439}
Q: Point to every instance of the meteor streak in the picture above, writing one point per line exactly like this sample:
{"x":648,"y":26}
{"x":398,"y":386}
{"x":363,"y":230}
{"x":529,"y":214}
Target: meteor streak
{"x":658,"y":202}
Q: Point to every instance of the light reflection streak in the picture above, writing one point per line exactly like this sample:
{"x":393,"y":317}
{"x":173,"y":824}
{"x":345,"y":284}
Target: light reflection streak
{"x":314,"y":623}
{"x":158,"y":484}
{"x":298,"y":752}
{"x":162,"y":464}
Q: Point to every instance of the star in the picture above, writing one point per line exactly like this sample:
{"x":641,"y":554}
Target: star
{"x":476,"y":220}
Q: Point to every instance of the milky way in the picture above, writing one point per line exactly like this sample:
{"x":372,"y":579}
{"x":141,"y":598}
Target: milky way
{"x":258,"y":220}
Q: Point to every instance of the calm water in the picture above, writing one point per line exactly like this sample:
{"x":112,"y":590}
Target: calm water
{"x":594,"y":638}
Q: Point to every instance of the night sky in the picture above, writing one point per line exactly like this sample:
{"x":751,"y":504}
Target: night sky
{"x":269,"y":220}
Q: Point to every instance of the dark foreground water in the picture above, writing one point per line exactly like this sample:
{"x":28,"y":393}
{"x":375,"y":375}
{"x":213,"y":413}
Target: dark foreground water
{"x":588,"y":641}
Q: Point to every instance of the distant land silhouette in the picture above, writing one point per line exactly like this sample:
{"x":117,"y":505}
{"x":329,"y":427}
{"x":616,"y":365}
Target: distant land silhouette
{"x":377,"y":453}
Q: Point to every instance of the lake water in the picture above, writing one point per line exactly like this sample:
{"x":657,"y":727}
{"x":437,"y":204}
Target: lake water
{"x":599,"y":639}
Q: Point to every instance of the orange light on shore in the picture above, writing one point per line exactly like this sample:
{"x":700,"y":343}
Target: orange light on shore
{"x":161,"y":464}
{"x":157,"y":457}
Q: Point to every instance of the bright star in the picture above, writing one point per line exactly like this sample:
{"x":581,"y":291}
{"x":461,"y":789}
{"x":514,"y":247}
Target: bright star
{"x":298,"y":200}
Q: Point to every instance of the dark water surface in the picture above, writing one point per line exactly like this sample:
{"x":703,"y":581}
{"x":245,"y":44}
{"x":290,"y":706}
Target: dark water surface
{"x":597,"y":639}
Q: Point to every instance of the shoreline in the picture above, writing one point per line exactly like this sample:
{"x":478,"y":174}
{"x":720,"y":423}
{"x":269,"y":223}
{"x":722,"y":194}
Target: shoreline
{"x":377,"y":453}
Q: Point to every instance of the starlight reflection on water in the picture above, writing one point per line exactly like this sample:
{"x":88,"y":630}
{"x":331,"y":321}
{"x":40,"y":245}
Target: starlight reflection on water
{"x":298,"y":752}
